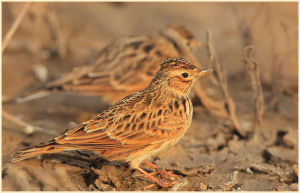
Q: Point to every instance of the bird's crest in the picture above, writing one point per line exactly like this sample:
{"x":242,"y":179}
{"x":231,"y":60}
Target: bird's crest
{"x":177,"y":63}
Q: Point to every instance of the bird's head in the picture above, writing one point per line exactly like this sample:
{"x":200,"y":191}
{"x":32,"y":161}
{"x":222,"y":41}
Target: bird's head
{"x":178,"y":75}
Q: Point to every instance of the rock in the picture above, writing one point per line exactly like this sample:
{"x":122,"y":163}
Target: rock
{"x":203,"y":187}
{"x":102,"y":186}
{"x":189,"y":162}
{"x":295,"y":170}
{"x":292,"y":187}
{"x":283,"y":153}
{"x":232,"y":181}
{"x":291,"y":138}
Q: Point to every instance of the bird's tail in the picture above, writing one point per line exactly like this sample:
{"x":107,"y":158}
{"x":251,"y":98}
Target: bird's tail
{"x":50,"y":147}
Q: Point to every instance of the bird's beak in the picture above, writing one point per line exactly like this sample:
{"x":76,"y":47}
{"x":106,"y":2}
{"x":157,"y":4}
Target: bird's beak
{"x":201,"y":72}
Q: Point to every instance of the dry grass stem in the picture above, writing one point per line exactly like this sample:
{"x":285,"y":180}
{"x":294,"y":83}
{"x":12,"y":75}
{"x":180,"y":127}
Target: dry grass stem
{"x":252,"y":67}
{"x":278,"y":62}
{"x":27,"y":128}
{"x":15,"y":26}
{"x":245,"y":26}
{"x":55,"y":26}
{"x":216,"y":107}
{"x":229,"y":103}
{"x":32,"y":97}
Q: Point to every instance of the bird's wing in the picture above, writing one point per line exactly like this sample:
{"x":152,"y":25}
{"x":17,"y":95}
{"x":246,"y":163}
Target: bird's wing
{"x":128,"y":64}
{"x":124,"y":125}
{"x":114,"y":66}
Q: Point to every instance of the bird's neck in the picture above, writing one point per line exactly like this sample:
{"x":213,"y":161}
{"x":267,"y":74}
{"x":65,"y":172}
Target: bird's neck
{"x":165,"y":92}
{"x":162,"y":85}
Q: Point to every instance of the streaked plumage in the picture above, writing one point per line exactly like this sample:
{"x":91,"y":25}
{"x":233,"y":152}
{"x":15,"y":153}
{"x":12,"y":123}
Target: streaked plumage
{"x":125,"y":66}
{"x":140,"y":125}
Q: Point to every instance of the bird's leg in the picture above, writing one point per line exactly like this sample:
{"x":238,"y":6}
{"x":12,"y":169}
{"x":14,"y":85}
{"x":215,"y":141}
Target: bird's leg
{"x":152,"y":173}
{"x":160,"y":183}
{"x":160,"y":171}
{"x":151,"y":165}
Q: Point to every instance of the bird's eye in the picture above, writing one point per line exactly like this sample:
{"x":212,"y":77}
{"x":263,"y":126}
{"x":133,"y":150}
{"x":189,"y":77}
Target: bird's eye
{"x":184,"y":75}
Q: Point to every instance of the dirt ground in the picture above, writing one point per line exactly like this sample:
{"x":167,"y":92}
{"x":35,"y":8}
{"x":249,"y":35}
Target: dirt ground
{"x":210,"y":156}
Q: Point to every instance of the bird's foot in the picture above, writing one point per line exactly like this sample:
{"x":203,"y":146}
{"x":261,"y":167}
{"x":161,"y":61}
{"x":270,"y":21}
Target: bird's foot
{"x":167,"y":177}
{"x":162,"y":184}
{"x":159,"y":182}
{"x":162,"y":172}
{"x":165,"y":173}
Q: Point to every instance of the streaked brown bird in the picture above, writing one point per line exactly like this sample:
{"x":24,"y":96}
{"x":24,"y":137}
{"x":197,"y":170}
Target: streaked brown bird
{"x":123,"y":67}
{"x":138,"y":126}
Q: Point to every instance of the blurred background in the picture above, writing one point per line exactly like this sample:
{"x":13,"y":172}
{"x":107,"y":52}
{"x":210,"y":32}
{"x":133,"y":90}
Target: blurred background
{"x":55,"y":37}
{"x":85,"y":28}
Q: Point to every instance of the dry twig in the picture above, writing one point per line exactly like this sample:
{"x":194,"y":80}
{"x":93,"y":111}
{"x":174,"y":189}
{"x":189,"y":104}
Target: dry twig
{"x":278,"y":62}
{"x":245,"y":25}
{"x":15,"y":26}
{"x":55,"y":26}
{"x":27,"y":128}
{"x":229,"y":103}
{"x":252,"y":66}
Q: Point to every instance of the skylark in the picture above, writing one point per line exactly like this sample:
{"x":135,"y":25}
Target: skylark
{"x":125,"y":66}
{"x":138,"y":126}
